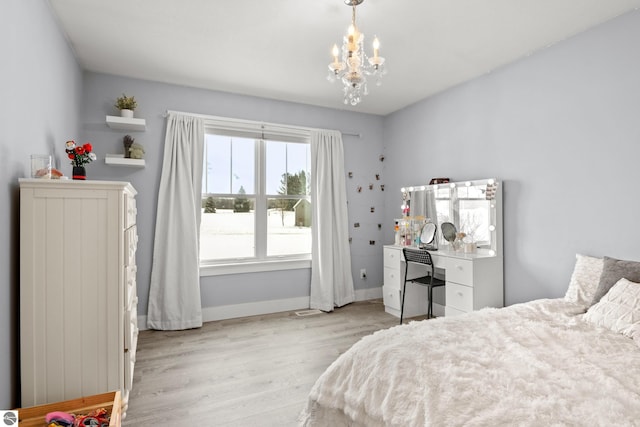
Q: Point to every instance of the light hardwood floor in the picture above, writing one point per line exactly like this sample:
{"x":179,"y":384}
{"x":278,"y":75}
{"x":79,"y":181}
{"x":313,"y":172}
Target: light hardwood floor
{"x":253,"y":371}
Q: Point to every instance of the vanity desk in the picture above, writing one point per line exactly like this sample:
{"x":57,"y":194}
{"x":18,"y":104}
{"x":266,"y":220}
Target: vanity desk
{"x":474,"y":278}
{"x":473,"y":281}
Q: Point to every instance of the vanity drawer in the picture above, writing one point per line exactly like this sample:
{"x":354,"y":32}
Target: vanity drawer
{"x":459,"y":271}
{"x":393,"y":277}
{"x":392,"y":257}
{"x":438,"y":261}
{"x":450,"y":312}
{"x":391,"y":297}
{"x":459,"y":296}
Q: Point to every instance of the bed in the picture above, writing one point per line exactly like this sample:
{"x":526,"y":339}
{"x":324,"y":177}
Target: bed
{"x":567,"y":361}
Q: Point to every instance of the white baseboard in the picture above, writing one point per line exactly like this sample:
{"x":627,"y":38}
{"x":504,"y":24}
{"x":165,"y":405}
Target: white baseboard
{"x":369,"y":293}
{"x":210,"y":314}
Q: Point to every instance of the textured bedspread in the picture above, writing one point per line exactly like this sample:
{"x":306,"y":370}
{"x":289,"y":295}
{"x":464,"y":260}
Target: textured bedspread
{"x":533,"y":364}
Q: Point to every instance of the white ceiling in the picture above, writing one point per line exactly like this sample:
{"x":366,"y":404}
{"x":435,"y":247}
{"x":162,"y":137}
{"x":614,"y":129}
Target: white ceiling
{"x":280,"y":49}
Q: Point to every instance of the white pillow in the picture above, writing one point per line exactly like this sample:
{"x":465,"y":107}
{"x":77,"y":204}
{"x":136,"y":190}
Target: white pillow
{"x":619,"y":309}
{"x":584,"y":280}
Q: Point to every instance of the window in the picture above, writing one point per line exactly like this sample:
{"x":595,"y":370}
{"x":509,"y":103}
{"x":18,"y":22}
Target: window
{"x":255,"y":196}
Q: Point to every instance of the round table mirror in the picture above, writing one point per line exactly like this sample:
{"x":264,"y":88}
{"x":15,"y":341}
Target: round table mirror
{"x":428,"y":233}
{"x":448,"y":231}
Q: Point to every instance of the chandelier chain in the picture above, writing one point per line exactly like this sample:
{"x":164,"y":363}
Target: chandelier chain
{"x":353,"y":16}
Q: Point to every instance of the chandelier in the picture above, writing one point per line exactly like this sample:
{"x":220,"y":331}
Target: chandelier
{"x":355,"y":65}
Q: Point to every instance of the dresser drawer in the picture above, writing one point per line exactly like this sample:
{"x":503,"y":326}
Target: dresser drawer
{"x":132,"y":296}
{"x":391,"y":297}
{"x":131,"y":245}
{"x":459,"y":271}
{"x":130,"y":211}
{"x":459,"y":296}
{"x":393,"y":277}
{"x":130,"y":356}
{"x":131,"y":330}
{"x":392,"y":257}
{"x":130,"y":284}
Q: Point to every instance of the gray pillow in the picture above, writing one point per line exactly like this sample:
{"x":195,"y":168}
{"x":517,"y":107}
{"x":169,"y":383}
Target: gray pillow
{"x":614,"y":270}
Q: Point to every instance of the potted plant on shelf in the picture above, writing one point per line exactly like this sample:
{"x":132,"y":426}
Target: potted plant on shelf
{"x":127,"y":141}
{"x":126,"y":105}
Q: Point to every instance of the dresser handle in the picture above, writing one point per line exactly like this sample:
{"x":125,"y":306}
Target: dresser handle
{"x":460,"y":293}
{"x":459,"y":267}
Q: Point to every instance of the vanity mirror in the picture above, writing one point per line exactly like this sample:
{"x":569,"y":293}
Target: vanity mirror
{"x":428,"y":236}
{"x":449,"y":232}
{"x":472,"y":208}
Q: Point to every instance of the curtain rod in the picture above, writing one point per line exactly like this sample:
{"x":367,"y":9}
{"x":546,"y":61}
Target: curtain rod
{"x":207,"y":116}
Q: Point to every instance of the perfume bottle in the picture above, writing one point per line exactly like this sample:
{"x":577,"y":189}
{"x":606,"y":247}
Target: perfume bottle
{"x":396,"y":228}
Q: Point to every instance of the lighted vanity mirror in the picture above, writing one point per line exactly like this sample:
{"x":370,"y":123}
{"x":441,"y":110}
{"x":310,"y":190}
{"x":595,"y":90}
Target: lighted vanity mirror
{"x":473,"y":207}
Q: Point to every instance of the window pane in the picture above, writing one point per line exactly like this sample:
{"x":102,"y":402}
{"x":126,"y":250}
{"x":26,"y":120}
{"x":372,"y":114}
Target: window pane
{"x":227,"y":229}
{"x":217,"y":167}
{"x":243,"y":165}
{"x":288,"y":227}
{"x":287,"y":168}
{"x":229,"y":165}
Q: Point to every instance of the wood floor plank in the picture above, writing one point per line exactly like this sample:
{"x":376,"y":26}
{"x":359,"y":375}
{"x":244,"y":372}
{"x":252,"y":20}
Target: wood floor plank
{"x":254,"y":371}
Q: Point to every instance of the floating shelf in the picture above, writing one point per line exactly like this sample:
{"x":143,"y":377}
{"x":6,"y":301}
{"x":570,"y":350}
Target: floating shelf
{"x":125,"y":123}
{"x":119,"y":160}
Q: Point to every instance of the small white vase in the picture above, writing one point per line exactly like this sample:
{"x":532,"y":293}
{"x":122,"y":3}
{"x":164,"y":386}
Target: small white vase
{"x":126,"y":113}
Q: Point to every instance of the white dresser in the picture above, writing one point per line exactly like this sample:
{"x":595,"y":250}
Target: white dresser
{"x":78,"y":303}
{"x":473,"y":281}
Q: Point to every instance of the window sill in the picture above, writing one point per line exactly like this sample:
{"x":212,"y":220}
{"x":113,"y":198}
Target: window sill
{"x":253,"y":267}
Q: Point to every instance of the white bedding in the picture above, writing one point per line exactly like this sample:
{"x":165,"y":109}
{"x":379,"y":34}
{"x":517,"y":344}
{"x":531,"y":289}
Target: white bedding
{"x":536,"y":364}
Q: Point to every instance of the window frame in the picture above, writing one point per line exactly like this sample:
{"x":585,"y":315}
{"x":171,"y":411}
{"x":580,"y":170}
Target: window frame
{"x":261,"y":133}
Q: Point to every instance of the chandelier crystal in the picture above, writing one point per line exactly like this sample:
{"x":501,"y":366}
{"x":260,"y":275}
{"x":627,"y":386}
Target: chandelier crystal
{"x":355,"y":65}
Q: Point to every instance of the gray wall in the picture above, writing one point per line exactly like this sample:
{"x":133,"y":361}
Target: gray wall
{"x":154,"y":99}
{"x":40,"y":83}
{"x":562,"y":129}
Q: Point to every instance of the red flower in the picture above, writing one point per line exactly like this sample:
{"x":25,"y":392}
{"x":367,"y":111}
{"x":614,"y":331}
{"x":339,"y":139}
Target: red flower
{"x":87,"y":147}
{"x":71,"y":156}
{"x":80,"y":150}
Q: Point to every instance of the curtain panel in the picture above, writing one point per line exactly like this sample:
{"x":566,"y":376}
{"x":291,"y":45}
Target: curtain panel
{"x":174,"y":294}
{"x":331,"y":279}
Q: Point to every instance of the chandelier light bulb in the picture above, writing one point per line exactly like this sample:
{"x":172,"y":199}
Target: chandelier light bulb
{"x":335,"y":51}
{"x":376,"y":47}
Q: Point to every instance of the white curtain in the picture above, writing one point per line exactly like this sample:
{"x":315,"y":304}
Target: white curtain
{"x":331,"y":280}
{"x":174,"y":294}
